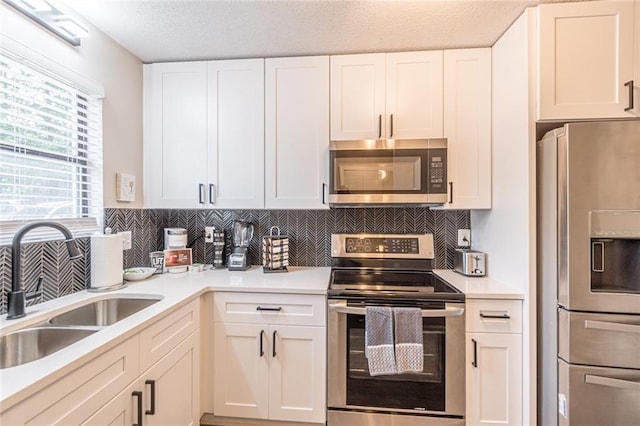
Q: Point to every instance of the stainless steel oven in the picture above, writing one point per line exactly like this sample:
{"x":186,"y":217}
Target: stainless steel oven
{"x":382,"y":172}
{"x":394,"y":271}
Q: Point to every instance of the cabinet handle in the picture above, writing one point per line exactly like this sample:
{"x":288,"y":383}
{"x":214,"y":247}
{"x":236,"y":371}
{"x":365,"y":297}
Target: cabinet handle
{"x":138,"y":396}
{"x":261,"y":348}
{"x":274,"y":344}
{"x":503,"y":316}
{"x":391,"y":130}
{"x":212,"y":193}
{"x":630,"y":85}
{"x":450,"y":192}
{"x":260,"y":308}
{"x":379,"y":126}
{"x":152,"y":392}
{"x":201,"y":193}
{"x":324,"y":189}
{"x":475,"y":353}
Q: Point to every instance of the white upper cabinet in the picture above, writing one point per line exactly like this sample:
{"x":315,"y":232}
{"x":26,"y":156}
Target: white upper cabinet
{"x":204,"y":134}
{"x":392,"y":95}
{"x":467,"y":127}
{"x":296,"y":132}
{"x":414,"y":95}
{"x":586,"y":60}
{"x":175,"y":140}
{"x":235,"y":134}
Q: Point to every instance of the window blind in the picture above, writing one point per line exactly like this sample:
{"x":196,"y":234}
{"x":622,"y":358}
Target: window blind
{"x":50,"y":149}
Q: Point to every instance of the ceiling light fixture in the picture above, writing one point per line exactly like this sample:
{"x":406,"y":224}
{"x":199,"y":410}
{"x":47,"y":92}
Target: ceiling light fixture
{"x":47,"y":15}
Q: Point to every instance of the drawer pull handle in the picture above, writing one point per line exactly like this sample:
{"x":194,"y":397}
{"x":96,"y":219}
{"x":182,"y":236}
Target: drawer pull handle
{"x":274,"y":343}
{"x":261,"y":347}
{"x":612,"y":326}
{"x":611,"y":382}
{"x":260,"y":308}
{"x":475,"y":353}
{"x":138,"y":395}
{"x":503,"y":316}
{"x":152,"y":410}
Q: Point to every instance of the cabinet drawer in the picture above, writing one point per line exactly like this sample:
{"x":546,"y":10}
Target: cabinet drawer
{"x":167,"y":332}
{"x":76,"y":396}
{"x":260,"y":308}
{"x":494,"y":316}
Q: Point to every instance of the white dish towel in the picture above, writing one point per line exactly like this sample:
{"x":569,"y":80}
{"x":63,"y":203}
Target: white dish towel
{"x":408,"y":340}
{"x":379,"y":347}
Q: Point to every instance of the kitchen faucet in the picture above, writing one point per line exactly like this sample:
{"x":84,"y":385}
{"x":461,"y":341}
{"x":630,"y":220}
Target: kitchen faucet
{"x":17,"y":297}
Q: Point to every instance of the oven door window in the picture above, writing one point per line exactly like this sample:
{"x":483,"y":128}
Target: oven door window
{"x":383,"y":171}
{"x":423,"y":391}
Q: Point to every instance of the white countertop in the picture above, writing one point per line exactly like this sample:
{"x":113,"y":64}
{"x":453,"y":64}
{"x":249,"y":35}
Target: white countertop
{"x":175,"y":290}
{"x":479,"y":287}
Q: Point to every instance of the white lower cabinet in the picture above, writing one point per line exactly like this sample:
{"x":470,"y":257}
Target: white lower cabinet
{"x":166,"y":394}
{"x":494,"y":362}
{"x":265,"y":368}
{"x":110,"y":388}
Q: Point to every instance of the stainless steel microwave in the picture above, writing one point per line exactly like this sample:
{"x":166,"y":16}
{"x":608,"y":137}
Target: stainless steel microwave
{"x":388,"y":172}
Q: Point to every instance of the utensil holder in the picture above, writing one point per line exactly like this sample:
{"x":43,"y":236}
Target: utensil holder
{"x":275,"y":251}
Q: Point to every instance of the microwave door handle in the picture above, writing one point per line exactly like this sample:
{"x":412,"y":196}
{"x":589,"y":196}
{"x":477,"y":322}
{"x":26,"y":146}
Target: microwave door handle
{"x":426,"y":313}
{"x":611,"y":382}
{"x":612,"y":326}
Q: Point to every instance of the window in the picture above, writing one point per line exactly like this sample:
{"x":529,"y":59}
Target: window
{"x":50,"y":148}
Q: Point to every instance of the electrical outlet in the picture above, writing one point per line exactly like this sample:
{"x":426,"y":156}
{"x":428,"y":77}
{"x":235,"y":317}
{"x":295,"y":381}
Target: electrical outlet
{"x":464,"y":238}
{"x":126,"y":240}
{"x":208,"y":234}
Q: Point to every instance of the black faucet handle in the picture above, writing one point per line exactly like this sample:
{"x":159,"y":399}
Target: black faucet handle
{"x":38,"y":291}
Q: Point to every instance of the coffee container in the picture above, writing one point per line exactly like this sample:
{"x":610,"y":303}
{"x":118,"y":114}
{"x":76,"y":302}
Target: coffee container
{"x":218,"y":248}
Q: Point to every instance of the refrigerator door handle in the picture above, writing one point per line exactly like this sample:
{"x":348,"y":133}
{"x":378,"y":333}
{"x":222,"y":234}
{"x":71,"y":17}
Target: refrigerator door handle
{"x":611,"y":382}
{"x":612,"y":326}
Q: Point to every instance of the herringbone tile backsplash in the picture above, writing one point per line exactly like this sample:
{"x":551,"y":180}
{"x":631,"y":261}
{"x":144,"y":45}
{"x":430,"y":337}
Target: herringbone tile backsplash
{"x":309,"y":232}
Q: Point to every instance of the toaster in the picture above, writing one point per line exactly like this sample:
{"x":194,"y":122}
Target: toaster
{"x":469,"y":262}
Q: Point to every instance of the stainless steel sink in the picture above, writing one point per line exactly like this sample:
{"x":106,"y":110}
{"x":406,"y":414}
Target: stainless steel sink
{"x":30,"y":344}
{"x":102,"y":312}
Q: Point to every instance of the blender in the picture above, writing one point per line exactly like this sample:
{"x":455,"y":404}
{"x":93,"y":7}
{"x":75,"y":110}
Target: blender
{"x":242,"y":234}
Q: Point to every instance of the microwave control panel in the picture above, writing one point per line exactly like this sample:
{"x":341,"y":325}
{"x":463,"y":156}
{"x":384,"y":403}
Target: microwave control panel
{"x":382,"y":245}
{"x":437,"y":175}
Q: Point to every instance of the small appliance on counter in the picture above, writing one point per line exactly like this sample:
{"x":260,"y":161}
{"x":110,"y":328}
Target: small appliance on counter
{"x":175,"y":238}
{"x":242,"y":234}
{"x":275,"y":251}
{"x":469,"y":262}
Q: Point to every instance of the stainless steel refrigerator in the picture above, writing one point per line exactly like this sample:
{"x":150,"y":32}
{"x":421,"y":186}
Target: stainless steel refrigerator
{"x":588,"y":195}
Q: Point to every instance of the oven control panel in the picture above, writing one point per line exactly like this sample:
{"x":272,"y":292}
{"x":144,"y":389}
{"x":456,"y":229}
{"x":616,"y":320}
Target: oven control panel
{"x":382,"y":245}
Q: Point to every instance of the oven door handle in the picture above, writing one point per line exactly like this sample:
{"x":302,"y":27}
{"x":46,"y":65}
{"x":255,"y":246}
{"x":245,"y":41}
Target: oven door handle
{"x":426,"y":313}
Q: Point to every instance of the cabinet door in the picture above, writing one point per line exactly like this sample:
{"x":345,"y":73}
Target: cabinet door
{"x":240,"y":370}
{"x":494,"y":383}
{"x":467,"y":127}
{"x":236,"y":134}
{"x":297,"y":132}
{"x":358,"y":96}
{"x":414,"y":95}
{"x":120,"y":411}
{"x":586,"y":56}
{"x":74,"y":397}
{"x":175,"y":134}
{"x":297,"y":376}
{"x":175,"y":380}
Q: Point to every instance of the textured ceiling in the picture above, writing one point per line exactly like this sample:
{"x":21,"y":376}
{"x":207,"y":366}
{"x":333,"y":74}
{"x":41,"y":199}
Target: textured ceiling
{"x":172,"y":30}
